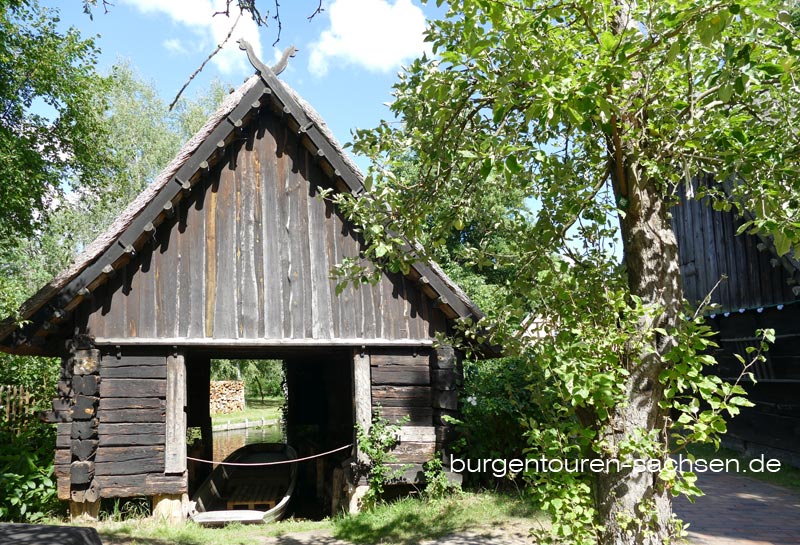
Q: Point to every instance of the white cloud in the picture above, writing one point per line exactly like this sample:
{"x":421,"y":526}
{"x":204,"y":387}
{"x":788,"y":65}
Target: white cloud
{"x":375,"y":34}
{"x":174,"y":45}
{"x":197,"y":15}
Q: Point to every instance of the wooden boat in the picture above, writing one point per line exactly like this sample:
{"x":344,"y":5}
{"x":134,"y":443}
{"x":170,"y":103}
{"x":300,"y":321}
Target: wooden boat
{"x":248,"y":494}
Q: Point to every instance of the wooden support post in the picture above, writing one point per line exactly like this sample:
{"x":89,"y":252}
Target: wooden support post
{"x":356,"y":495}
{"x":175,"y":449}
{"x":170,"y":508}
{"x":362,"y":397}
{"x":84,"y":511}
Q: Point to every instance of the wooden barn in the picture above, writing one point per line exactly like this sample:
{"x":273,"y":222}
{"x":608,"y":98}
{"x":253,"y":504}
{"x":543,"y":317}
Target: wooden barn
{"x":228,"y":254}
{"x":760,"y":290}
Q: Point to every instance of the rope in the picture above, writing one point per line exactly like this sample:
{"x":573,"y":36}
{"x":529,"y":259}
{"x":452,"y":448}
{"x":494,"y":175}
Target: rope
{"x":280,"y":462}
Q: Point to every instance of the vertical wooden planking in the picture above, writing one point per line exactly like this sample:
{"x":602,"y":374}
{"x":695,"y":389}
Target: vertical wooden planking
{"x":753,"y":281}
{"x":299,"y":237}
{"x":354,"y":250}
{"x":370,"y":314}
{"x":226,"y":248}
{"x":258,"y":232}
{"x":133,"y":283}
{"x":722,"y":264}
{"x":377,"y":303}
{"x":711,"y":248}
{"x":149,"y":306}
{"x":175,"y":448}
{"x":272,"y":159}
{"x":332,"y":227}
{"x":286,"y":256}
{"x":185,"y":266}
{"x":321,"y":311}
{"x":248,"y":301}
{"x":166,"y":265}
{"x":697,"y":248}
{"x":347,"y":327}
{"x":211,"y":255}
{"x":197,"y":274}
{"x":727,"y":291}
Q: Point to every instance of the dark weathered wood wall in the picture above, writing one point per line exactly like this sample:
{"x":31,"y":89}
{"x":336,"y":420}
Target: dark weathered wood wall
{"x":757,"y":282}
{"x":709,"y":249}
{"x":418,"y":387}
{"x":248,"y":255}
{"x":112,"y":422}
{"x":774,"y":421}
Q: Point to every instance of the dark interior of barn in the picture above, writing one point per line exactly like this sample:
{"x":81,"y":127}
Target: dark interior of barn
{"x":319,"y":418}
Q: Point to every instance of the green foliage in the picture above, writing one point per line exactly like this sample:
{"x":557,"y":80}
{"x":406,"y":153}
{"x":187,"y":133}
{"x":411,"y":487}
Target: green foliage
{"x":52,"y":130}
{"x":547,"y":124}
{"x":437,"y":486}
{"x":27,"y":483}
{"x":497,"y":398}
{"x":377,"y":443}
{"x":262,"y":378}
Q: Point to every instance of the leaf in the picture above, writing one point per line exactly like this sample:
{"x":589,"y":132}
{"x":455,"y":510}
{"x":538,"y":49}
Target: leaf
{"x":608,"y":41}
{"x":782,"y":243}
{"x":512,"y":165}
{"x":726,"y":92}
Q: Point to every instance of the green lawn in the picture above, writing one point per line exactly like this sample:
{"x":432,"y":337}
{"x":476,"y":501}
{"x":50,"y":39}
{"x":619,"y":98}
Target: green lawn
{"x":405,"y":521}
{"x":269,"y":409}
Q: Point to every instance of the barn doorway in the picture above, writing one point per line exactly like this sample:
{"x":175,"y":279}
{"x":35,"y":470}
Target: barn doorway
{"x":317,"y":414}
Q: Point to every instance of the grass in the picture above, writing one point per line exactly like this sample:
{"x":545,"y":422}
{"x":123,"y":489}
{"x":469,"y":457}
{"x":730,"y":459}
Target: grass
{"x":149,"y":532}
{"x":788,"y":476}
{"x":411,"y":520}
{"x":403,"y":522}
{"x":269,"y":409}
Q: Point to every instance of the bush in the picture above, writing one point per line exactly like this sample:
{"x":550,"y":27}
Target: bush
{"x":499,"y":397}
{"x":27,"y":484}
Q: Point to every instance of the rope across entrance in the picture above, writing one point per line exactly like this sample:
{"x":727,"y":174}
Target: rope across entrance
{"x":279,"y":462}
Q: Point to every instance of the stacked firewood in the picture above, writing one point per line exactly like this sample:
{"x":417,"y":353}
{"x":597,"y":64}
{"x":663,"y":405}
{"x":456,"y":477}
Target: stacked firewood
{"x":227,"y":396}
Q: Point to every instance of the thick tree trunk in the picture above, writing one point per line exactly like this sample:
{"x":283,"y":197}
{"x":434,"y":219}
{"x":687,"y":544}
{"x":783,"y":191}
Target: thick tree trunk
{"x":634,"y":507}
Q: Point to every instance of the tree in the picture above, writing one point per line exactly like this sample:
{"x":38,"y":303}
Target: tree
{"x":581,"y":119}
{"x":52,"y":131}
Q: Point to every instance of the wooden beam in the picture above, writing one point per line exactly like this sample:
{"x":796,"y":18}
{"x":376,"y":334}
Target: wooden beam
{"x":175,"y":449}
{"x":362,"y":395}
{"x":259,"y":343}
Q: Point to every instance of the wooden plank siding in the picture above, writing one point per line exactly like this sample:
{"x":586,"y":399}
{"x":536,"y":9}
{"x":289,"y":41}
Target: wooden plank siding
{"x":709,"y":249}
{"x":758,"y":294}
{"x":248,"y":255}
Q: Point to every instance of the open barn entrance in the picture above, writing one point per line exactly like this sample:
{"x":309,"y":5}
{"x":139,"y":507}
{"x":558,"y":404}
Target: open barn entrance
{"x":317,"y":417}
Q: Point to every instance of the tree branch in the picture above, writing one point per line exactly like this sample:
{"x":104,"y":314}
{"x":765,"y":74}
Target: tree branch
{"x":200,"y":69}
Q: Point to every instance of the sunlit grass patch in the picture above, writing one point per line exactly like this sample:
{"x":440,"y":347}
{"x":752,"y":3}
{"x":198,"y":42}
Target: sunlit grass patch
{"x":410,"y":520}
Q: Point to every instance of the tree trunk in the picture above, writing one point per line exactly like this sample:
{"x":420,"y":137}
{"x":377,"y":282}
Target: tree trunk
{"x":634,"y":507}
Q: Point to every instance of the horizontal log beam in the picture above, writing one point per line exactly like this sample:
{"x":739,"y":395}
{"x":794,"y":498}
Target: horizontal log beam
{"x":259,"y":343}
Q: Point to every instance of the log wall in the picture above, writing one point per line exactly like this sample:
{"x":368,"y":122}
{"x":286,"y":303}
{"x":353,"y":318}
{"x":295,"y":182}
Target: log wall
{"x":111,"y":438}
{"x":417,"y":387}
{"x":248,"y":255}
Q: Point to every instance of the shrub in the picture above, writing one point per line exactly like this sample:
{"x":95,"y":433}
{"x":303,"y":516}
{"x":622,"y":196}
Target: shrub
{"x":27,"y":484}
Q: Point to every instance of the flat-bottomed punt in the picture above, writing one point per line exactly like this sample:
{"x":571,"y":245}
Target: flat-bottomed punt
{"x":255,"y":494}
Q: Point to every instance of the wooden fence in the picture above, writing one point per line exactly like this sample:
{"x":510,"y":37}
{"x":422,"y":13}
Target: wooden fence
{"x":16,"y":405}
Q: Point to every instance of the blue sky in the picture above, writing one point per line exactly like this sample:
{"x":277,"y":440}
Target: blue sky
{"x":348,"y":58}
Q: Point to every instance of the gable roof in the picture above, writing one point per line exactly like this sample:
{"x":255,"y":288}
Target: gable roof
{"x":49,"y":307}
